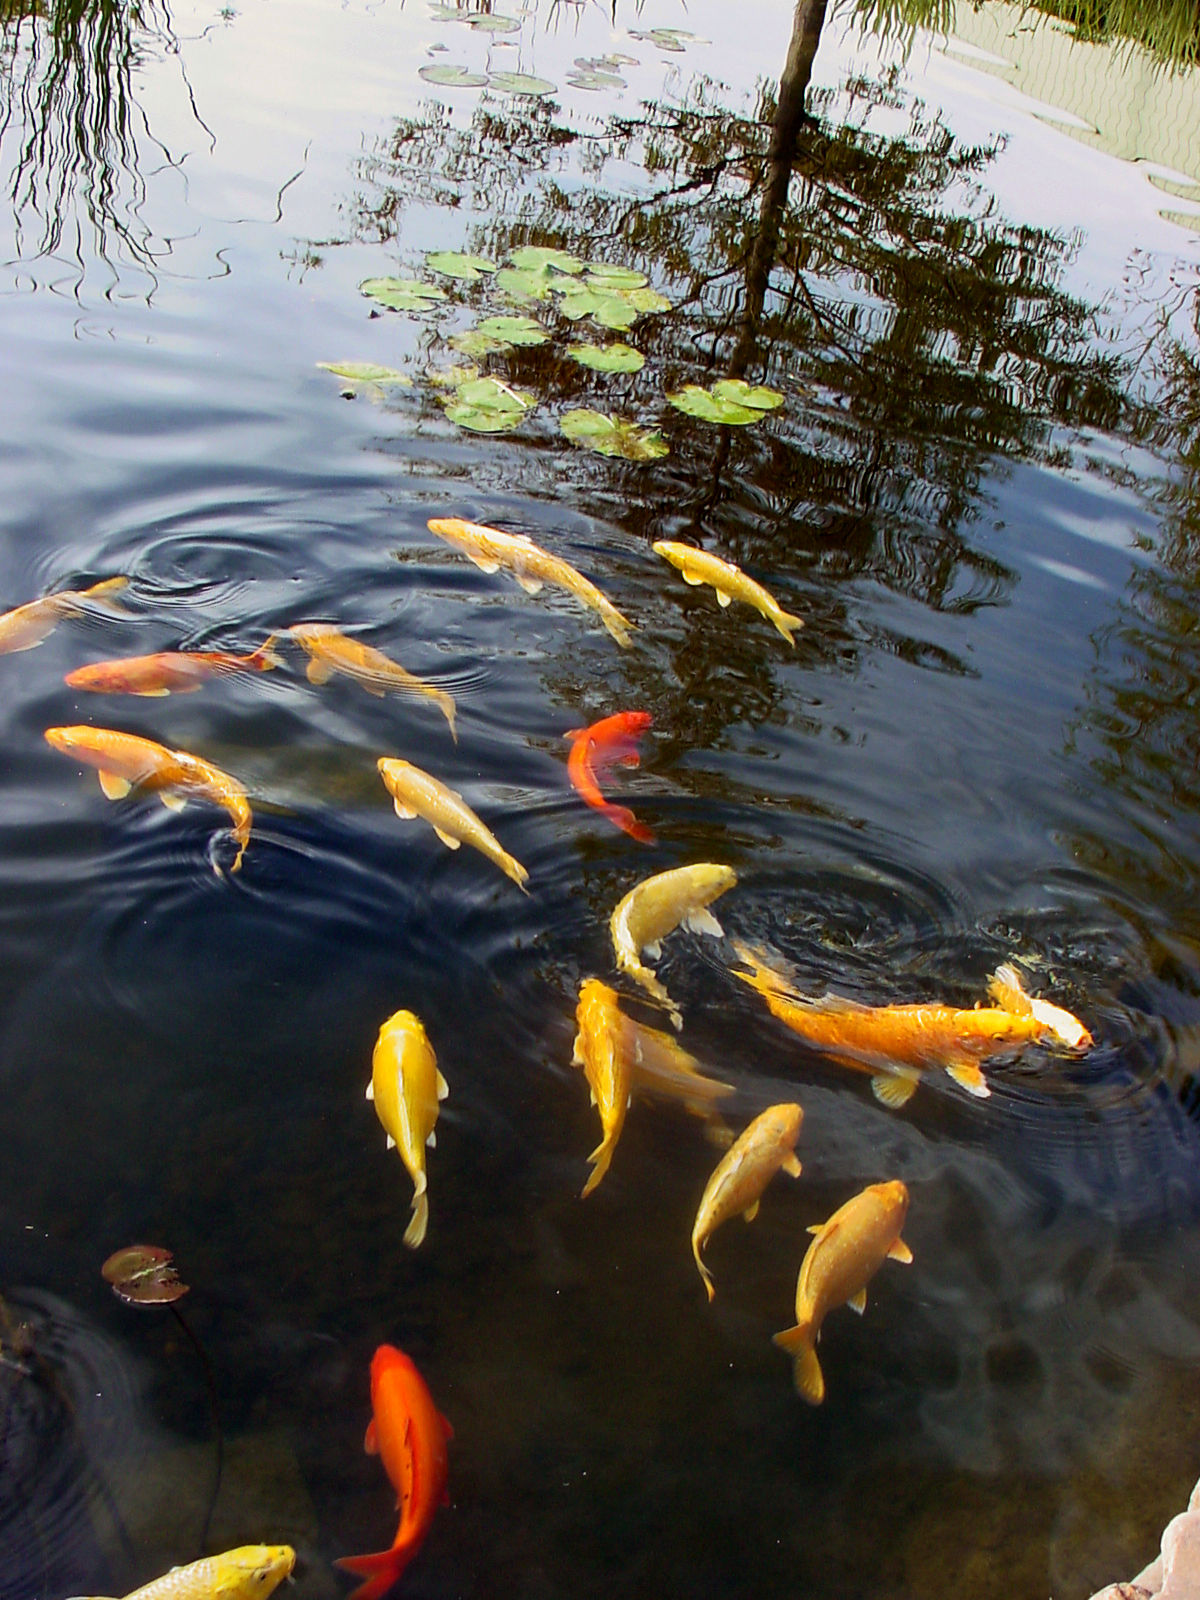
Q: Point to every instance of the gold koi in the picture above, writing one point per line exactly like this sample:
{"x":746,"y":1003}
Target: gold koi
{"x":657,"y":906}
{"x":330,"y":651}
{"x":406,"y":1088}
{"x":416,"y":793}
{"x":846,"y":1253}
{"x":1006,"y":990}
{"x":530,"y":565}
{"x":27,"y":626}
{"x":251,"y":1572}
{"x":125,"y":760}
{"x":730,"y":582}
{"x":743,"y":1173}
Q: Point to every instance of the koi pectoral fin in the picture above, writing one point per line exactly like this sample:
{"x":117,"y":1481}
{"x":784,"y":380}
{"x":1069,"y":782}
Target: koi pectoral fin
{"x":484,"y":563}
{"x":891,"y":1091}
{"x":791,"y":1166}
{"x":443,"y":1088}
{"x":447,"y":1427}
{"x":899,"y":1251}
{"x":371,"y":1442}
{"x":530,"y":585}
{"x":858,"y":1302}
{"x":406,"y":813}
{"x":448,"y":839}
{"x":114,"y":787}
{"x":968,"y":1076}
{"x":702,"y":921}
{"x":751,"y":1211}
{"x":724,"y":599}
{"x":171,"y":800}
{"x":318,"y":671}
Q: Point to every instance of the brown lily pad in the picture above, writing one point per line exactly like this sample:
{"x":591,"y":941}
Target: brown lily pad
{"x":142,"y":1275}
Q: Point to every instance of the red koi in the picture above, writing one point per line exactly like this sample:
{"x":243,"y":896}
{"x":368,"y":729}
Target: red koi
{"x":410,"y":1434}
{"x":609,"y":742}
{"x":170,"y":671}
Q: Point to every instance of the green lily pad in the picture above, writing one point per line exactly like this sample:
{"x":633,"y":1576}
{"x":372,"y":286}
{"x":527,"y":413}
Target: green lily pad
{"x":476,"y":343}
{"x":520,"y":83}
{"x":708,"y":406}
{"x":453,"y":77}
{"x":515,"y":330}
{"x":646,"y":300}
{"x":451,"y":377}
{"x":612,"y":436}
{"x":596,"y":80}
{"x":604,"y":277}
{"x":739,"y":393}
{"x":365,"y":372}
{"x":401,"y":294}
{"x":535,"y":257}
{"x":667,"y":38}
{"x":608,"y":357}
{"x":456,"y":264}
{"x":485,"y":405}
{"x":522,"y":285}
{"x":490,"y":22}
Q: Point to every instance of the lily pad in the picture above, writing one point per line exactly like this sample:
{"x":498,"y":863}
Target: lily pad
{"x":456,"y":264}
{"x":608,"y":357}
{"x":474,"y":342}
{"x":520,"y":83}
{"x":365,"y":372}
{"x":709,"y":406}
{"x":667,"y":38}
{"x":536,"y":257}
{"x":453,"y":77}
{"x":142,"y":1275}
{"x":485,"y":405}
{"x":401,"y":294}
{"x":741,"y":393}
{"x":646,"y":300}
{"x":526,"y":285}
{"x":515,"y":330}
{"x":596,"y":80}
{"x":602,"y":276}
{"x":451,"y":377}
{"x":491,"y":22}
{"x":615,"y":307}
{"x":612,"y":436}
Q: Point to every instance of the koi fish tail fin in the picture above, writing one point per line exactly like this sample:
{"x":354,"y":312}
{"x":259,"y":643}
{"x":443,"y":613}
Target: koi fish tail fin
{"x":513,"y":869}
{"x":601,"y":1159}
{"x":787,"y":624}
{"x":1006,"y":989}
{"x":381,"y":1571}
{"x":445,"y":703}
{"x":765,"y":974}
{"x":704,"y":1272}
{"x":809,"y":1379}
{"x":618,"y":626}
{"x":628,"y":823}
{"x":266,"y":658}
{"x":415,"y":1232}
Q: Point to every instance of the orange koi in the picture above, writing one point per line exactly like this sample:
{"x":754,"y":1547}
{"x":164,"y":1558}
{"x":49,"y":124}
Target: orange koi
{"x":124,"y":759}
{"x":170,"y":671}
{"x":409,"y":1433}
{"x":606,"y":743}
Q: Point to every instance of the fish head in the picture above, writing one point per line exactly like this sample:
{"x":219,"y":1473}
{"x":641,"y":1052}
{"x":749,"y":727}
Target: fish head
{"x":448,"y":527}
{"x":708,"y":880}
{"x":69,"y":740}
{"x":893,"y":1197}
{"x":782,"y":1124}
{"x":671,"y":551}
{"x":598,"y":1005}
{"x":404,"y":1022}
{"x":309,"y":633}
{"x":257,"y":1568}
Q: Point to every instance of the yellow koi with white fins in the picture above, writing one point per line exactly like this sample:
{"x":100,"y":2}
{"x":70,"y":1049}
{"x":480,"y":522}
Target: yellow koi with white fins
{"x":730,"y":582}
{"x":655,"y":908}
{"x":25,"y":627}
{"x":251,"y":1572}
{"x":406,"y":1089}
{"x":743,"y":1173}
{"x":416,"y":793}
{"x":490,"y":549}
{"x":846,"y":1253}
{"x":330,"y":651}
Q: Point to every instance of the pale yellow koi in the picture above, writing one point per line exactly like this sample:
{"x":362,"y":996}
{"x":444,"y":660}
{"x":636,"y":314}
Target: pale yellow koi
{"x":251,"y":1572}
{"x":406,"y":1088}
{"x":331,"y":651}
{"x":730,"y":583}
{"x":743,"y":1173}
{"x":27,"y":626}
{"x":655,"y":908}
{"x":416,"y":793}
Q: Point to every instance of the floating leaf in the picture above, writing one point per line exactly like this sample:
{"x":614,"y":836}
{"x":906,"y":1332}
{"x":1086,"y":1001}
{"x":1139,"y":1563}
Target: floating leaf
{"x":365,"y":372}
{"x":648,"y":300}
{"x":602,"y":276}
{"x":515,"y":330}
{"x":401,"y":294}
{"x":617,"y":312}
{"x":485,"y":405}
{"x":612,"y":436}
{"x":142,"y":1275}
{"x":453,"y":77}
{"x":667,"y":38}
{"x":579,"y":302}
{"x":451,"y":377}
{"x":608,"y":357}
{"x":596,"y":80}
{"x":710,"y":407}
{"x":536,"y":257}
{"x":520,"y":285}
{"x":740,"y":393}
{"x":476,"y":343}
{"x":456,"y":264}
{"x":490,"y":22}
{"x":520,"y":83}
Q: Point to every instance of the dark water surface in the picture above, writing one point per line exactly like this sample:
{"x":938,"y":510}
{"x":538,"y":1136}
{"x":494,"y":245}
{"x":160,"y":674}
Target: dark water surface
{"x":980,"y":493}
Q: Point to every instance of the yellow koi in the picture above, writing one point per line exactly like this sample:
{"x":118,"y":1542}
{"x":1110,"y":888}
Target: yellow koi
{"x":657,"y":906}
{"x":406,"y":1088}
{"x":124,"y":759}
{"x":846,"y":1253}
{"x":251,"y":1572}
{"x":1006,"y":990}
{"x":743,"y":1173}
{"x":730,"y":582}
{"x":27,"y":626}
{"x":330,"y":651}
{"x":530,"y":565}
{"x":417,"y":794}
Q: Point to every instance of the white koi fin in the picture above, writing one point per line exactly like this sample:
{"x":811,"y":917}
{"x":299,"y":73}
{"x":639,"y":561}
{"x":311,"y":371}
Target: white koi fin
{"x":432,"y":1139}
{"x":576,"y":1055}
{"x":415,"y":1231}
{"x":448,"y":839}
{"x":371,"y":1439}
{"x":391,"y":1143}
{"x":791,"y":1166}
{"x":401,"y":810}
{"x":151,"y":694}
{"x":591,"y":1097}
{"x":899,"y":1251}
{"x":318,"y":671}
{"x":690,"y":577}
{"x":1062,"y":1024}
{"x":371,"y":1090}
{"x":172,"y":801}
{"x":653,"y":950}
{"x":702,"y":921}
{"x":968,"y":1076}
{"x":115,"y":788}
{"x":751,"y":1211}
{"x":443,"y":1088}
{"x":893,"y":1092}
{"x":530,"y":585}
{"x":858,"y":1302}
{"x":724,"y":599}
{"x":484,"y":563}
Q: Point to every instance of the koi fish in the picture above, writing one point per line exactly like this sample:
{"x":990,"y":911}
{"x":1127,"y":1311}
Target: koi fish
{"x":251,"y":1572}
{"x":846,"y":1253}
{"x":530,"y":565}
{"x":175,"y":776}
{"x":170,"y":671}
{"x":743,"y":1173}
{"x":417,"y":794}
{"x":730,"y":582}
{"x":406,"y":1088}
{"x":409,"y":1434}
{"x":607,"y":742}
{"x":25,"y":627}
{"x":621,"y":1057}
{"x":331,"y":651}
{"x":895,"y":1044}
{"x":1005,"y":988}
{"x":657,"y":906}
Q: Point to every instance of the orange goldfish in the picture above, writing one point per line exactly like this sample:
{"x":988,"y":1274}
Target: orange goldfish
{"x":170,"y":671}
{"x":895,"y":1044}
{"x":124,"y":760}
{"x":846,"y":1253}
{"x":410,"y":1435}
{"x":607,"y":742}
{"x":27,"y":626}
{"x":743,"y":1173}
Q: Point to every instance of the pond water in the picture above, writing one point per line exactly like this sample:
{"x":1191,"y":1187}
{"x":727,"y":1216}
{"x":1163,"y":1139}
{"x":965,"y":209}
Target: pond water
{"x":980,"y":493}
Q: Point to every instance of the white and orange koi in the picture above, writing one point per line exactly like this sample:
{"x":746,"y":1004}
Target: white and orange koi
{"x":743,"y":1173}
{"x":330,"y":651}
{"x":27,"y":626}
{"x":730,"y":582}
